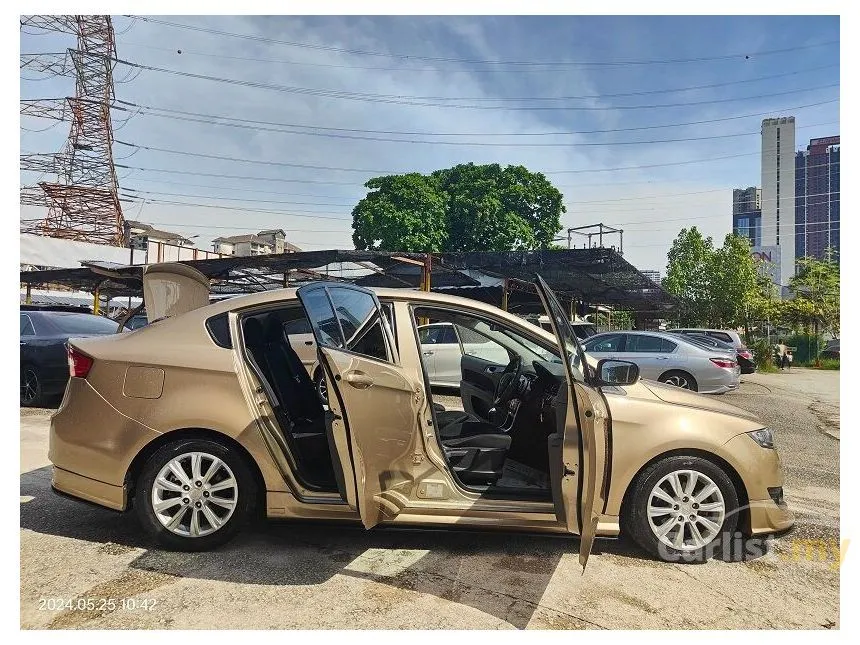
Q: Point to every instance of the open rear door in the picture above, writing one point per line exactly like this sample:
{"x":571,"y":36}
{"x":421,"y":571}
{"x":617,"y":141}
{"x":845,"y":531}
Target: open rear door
{"x":584,"y":450}
{"x":374,"y":403}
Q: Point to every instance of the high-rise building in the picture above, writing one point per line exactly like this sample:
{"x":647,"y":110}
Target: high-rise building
{"x":817,"y":198}
{"x":652,"y":274}
{"x":746,"y":213}
{"x":777,"y":193}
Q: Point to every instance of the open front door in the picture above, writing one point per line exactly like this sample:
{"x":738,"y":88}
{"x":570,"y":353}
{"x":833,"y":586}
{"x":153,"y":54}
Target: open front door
{"x":374,"y":403}
{"x":580,"y":488}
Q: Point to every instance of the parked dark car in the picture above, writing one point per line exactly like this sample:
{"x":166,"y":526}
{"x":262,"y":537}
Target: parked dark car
{"x":724,"y":337}
{"x":831,"y":350}
{"x":44,"y":360}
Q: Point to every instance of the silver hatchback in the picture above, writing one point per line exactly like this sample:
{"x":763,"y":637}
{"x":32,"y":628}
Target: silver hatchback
{"x":670,"y":359}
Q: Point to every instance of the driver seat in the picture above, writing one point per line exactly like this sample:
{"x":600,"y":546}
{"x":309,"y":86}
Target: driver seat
{"x":475,"y":449}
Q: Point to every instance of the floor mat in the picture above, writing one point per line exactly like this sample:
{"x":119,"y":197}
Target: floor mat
{"x":517,"y":475}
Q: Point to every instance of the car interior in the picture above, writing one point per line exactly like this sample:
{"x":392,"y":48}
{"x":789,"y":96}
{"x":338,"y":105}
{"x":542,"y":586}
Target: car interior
{"x":496,"y":441}
{"x":297,"y":408}
{"x":499,"y":441}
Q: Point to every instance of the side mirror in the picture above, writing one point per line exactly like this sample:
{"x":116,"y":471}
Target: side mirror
{"x":614,"y":372}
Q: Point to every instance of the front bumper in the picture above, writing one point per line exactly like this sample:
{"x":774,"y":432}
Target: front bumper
{"x":761,"y":472}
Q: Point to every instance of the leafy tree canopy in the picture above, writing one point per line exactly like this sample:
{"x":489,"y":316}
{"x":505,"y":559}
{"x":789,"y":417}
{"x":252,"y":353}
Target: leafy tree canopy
{"x":465,"y":208}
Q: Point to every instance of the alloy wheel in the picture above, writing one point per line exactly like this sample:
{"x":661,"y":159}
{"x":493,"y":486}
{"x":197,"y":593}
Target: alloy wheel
{"x":322,"y":389}
{"x":678,"y":380}
{"x":29,"y":386}
{"x":686,"y":510}
{"x":194,"y":494}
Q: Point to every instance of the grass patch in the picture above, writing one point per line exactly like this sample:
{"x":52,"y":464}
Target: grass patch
{"x":824,"y":364}
{"x":766,"y":369}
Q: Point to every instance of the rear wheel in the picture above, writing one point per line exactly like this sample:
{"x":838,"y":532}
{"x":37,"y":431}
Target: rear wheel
{"x":194,"y":494}
{"x":680,"y":379}
{"x":682,"y":508}
{"x":31,"y":387}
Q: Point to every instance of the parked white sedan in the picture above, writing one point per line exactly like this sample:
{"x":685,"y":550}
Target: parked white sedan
{"x":444,"y":344}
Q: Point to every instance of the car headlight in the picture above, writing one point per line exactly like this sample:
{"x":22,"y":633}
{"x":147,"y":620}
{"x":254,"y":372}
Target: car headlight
{"x":763,"y":437}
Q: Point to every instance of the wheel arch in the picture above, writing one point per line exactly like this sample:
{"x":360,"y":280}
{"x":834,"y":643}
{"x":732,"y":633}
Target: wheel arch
{"x":717,"y":460}
{"x":150,"y":449}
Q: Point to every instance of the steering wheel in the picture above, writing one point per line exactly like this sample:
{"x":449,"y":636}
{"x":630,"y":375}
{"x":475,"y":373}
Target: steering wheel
{"x":508,"y":382}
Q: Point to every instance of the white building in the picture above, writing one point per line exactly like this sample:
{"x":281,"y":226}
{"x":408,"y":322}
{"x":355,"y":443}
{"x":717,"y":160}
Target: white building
{"x":262,"y":243}
{"x":777,"y":191}
{"x":652,"y":274}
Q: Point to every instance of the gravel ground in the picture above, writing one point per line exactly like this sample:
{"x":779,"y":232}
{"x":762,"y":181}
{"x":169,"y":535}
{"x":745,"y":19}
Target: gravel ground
{"x":304,"y":575}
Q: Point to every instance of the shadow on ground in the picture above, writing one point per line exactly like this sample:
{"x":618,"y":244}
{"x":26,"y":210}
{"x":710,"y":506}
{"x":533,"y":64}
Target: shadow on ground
{"x":502,"y":574}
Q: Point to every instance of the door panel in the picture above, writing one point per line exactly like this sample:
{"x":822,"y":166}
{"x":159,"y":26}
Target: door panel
{"x":375,"y":429}
{"x":374,"y":402}
{"x":478,"y":385}
{"x":584,"y":450}
{"x":447,"y":357}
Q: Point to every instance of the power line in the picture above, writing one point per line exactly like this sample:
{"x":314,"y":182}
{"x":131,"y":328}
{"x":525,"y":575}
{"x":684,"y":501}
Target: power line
{"x":420,"y":102}
{"x":176,"y":115}
{"x":739,"y":55}
{"x":484,"y":134}
{"x":249,"y":201}
{"x":385,"y":172}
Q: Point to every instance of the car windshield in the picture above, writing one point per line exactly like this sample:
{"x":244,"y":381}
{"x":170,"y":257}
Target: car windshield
{"x":70,"y":323}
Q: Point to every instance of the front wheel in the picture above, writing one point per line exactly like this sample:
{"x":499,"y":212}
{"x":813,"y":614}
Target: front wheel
{"x":194,"y":495}
{"x":680,"y":379}
{"x":682,"y":508}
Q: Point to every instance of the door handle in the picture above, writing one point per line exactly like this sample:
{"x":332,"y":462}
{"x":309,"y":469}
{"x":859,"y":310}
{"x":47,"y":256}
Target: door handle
{"x":359,"y":380}
{"x":662,"y":358}
{"x":429,"y":352}
{"x":309,"y":342}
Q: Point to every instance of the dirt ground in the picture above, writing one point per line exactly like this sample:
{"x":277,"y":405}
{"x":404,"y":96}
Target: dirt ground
{"x":302,"y":575}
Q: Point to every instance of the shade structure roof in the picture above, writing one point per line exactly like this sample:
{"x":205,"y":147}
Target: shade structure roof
{"x":596,"y":276}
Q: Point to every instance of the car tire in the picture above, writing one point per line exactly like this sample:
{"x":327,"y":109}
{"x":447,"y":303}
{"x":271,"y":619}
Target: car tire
{"x":31,"y":389}
{"x":217,"y":520}
{"x":321,"y":386}
{"x":680,"y":379}
{"x":643,"y":523}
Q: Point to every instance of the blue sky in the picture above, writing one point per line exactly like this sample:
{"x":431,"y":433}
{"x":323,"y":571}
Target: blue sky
{"x":651,"y":203}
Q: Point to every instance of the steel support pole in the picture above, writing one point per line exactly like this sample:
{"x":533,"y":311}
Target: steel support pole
{"x":28,"y":299}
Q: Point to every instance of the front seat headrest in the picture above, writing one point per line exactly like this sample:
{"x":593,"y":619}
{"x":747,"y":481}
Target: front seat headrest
{"x":273,"y":330}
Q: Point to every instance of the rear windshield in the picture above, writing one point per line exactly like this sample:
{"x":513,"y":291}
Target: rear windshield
{"x":70,"y":323}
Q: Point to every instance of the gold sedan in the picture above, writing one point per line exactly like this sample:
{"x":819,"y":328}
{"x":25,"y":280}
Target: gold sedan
{"x":208,"y":416}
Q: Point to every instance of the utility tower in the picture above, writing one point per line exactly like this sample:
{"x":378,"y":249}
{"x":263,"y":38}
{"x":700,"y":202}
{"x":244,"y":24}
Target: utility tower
{"x":83,"y":203}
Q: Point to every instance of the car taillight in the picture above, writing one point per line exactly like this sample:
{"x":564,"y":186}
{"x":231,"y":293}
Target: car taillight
{"x":79,"y":363}
{"x":745,"y":353}
{"x":722,"y":362}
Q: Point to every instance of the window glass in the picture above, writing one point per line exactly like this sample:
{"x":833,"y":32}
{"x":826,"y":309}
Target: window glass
{"x":471,"y":337}
{"x":295,"y":321}
{"x":322,"y":317}
{"x":219,"y":329}
{"x":608,"y":343}
{"x":438,"y":335}
{"x":644,"y":343}
{"x":70,"y":323}
{"x":361,"y":322}
{"x":720,"y":336}
{"x":668,"y":346}
{"x":27,"y":326}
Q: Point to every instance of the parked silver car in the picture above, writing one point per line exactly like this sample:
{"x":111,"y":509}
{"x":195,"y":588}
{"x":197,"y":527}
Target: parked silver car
{"x":670,"y":359}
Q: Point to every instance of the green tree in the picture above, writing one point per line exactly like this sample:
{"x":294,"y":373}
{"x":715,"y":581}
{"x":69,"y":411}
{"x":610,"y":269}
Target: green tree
{"x":815,"y":287}
{"x":688,"y":275}
{"x":717,"y":287}
{"x":401,"y":213}
{"x":735,"y":284}
{"x":465,"y":208}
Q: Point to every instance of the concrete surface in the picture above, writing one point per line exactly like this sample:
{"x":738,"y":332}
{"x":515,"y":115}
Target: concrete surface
{"x":301,"y":575}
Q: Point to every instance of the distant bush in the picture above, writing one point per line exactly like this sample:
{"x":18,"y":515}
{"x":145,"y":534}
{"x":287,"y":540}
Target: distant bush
{"x":763,"y":352}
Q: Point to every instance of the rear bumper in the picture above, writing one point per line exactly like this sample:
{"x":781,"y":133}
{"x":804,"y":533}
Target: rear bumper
{"x":91,"y":445}
{"x":68,"y":483}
